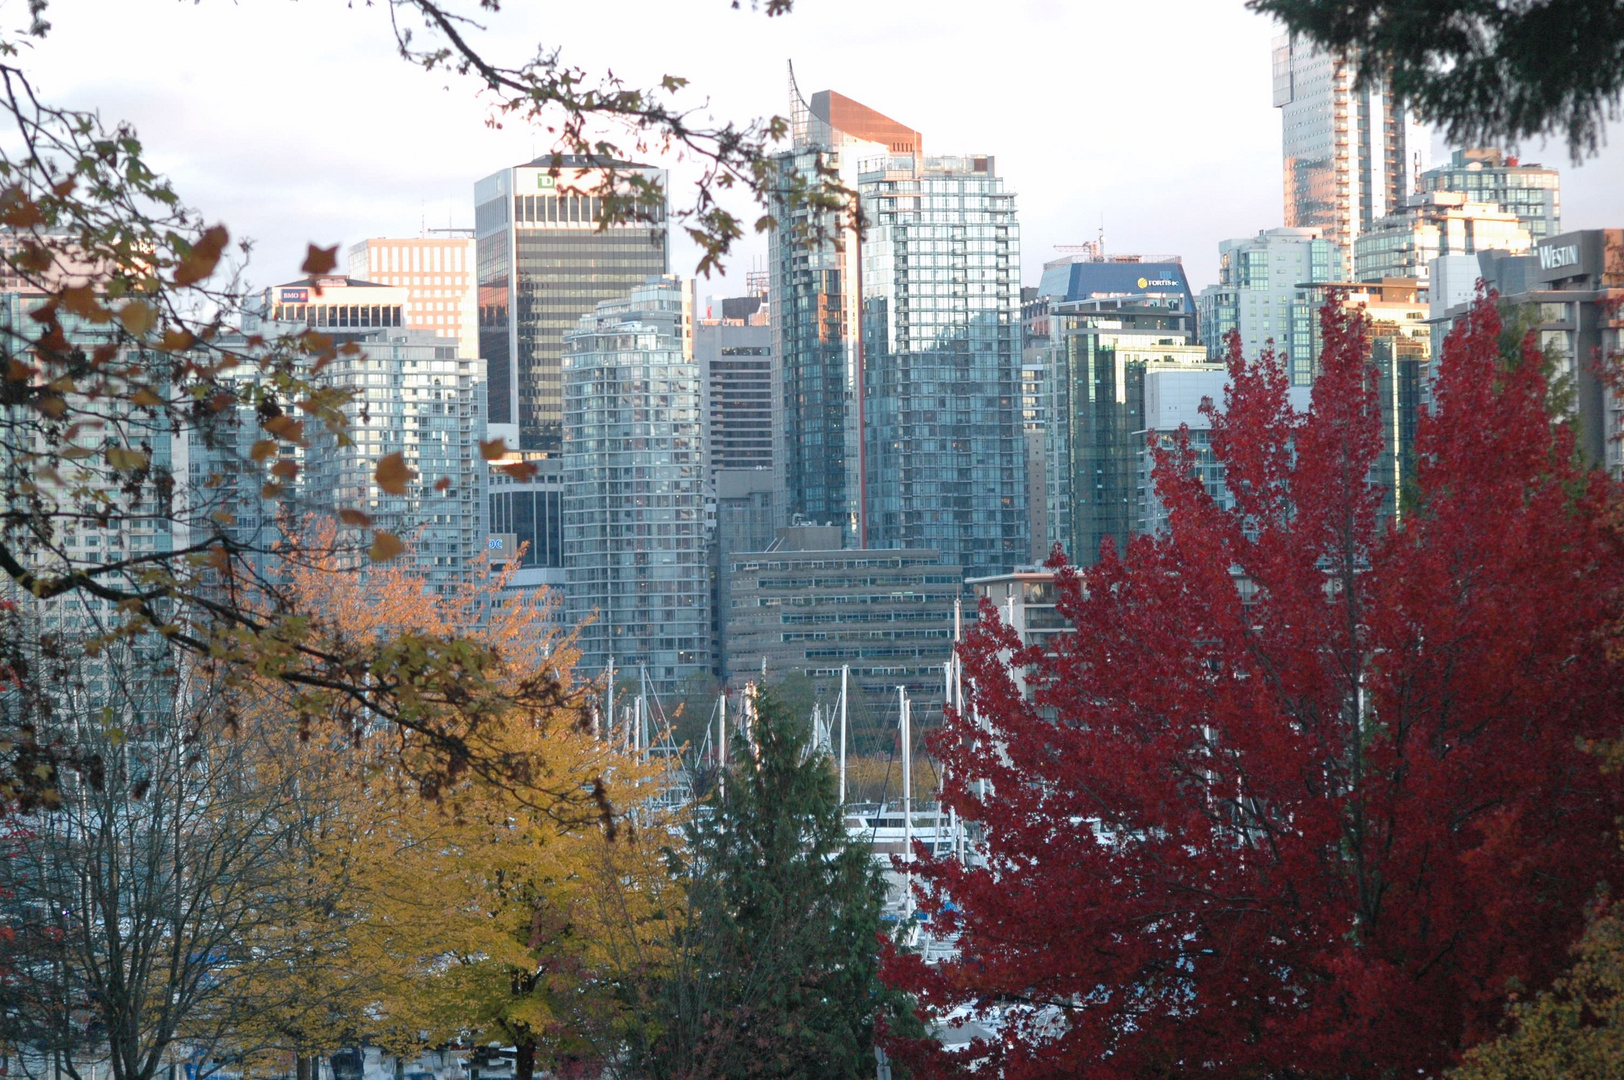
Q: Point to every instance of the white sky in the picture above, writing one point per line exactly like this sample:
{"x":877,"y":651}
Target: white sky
{"x":295,"y":121}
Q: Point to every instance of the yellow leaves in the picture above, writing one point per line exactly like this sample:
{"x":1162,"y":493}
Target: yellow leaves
{"x":393,"y":474}
{"x":493,"y":450}
{"x":145,"y":398}
{"x":263,"y":450}
{"x":138,"y":317}
{"x":199,"y":262}
{"x":125,"y":459}
{"x":385,"y":546}
{"x":319,"y":261}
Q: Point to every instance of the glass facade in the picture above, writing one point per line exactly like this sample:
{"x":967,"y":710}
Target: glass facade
{"x":814,"y":271}
{"x":1348,"y":151}
{"x":1262,"y":292}
{"x":1532,"y":192}
{"x":946,"y":454}
{"x":414,"y":397}
{"x":544,"y":261}
{"x":1101,"y":350}
{"x":636,"y":558}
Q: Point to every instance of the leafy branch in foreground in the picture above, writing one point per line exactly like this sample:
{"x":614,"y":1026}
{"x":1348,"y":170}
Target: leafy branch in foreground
{"x":122,"y":341}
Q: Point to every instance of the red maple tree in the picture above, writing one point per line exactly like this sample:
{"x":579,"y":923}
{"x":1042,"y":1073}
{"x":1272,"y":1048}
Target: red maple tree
{"x":1307,"y":794}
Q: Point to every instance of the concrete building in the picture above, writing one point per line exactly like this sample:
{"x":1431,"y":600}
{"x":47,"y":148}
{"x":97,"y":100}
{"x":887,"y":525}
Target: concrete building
{"x":809,"y":605}
{"x":900,"y":349}
{"x":1351,"y":153}
{"x":543,"y":263}
{"x":1262,"y":291}
{"x":1404,"y":243}
{"x":1025,"y":599}
{"x":1532,"y":192}
{"x":1570,"y":290}
{"x":636,"y":558}
{"x":438,"y":276}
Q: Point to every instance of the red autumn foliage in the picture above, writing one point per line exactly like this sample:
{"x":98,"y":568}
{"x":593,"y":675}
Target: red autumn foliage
{"x":1325,"y":831}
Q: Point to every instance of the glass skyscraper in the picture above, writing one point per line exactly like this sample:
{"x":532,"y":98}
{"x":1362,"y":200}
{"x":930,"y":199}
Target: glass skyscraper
{"x":946,"y":458}
{"x":1352,"y":153}
{"x":636,"y":556}
{"x":543,"y":263}
{"x":900,"y":345}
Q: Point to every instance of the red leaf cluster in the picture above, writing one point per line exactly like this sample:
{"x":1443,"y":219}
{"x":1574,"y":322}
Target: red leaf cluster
{"x":1306,"y":794}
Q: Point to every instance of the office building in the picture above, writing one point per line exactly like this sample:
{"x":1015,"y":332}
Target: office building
{"x":808,"y":605}
{"x":1110,"y":320}
{"x":1262,"y":291}
{"x":1352,"y":153}
{"x":543,"y":263}
{"x":636,"y":560}
{"x":902,"y":408}
{"x":1532,"y":192}
{"x":438,"y":276}
{"x":1570,"y":289}
{"x":1404,"y":243}
{"x":412,"y":394}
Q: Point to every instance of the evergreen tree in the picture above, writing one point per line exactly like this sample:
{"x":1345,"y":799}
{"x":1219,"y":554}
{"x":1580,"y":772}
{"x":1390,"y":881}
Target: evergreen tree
{"x":777,"y":973}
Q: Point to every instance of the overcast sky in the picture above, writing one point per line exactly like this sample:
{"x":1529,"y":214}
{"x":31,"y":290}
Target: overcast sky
{"x":295,"y":121}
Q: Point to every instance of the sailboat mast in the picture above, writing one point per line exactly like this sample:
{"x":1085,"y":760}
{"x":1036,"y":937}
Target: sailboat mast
{"x":907,"y":798}
{"x":845,"y":670}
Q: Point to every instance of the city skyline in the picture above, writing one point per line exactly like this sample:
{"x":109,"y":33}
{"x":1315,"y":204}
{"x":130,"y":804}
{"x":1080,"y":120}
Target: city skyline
{"x":1205,"y":83}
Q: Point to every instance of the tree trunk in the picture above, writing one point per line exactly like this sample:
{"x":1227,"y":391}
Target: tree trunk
{"x":524,"y":1058}
{"x":306,"y":1068}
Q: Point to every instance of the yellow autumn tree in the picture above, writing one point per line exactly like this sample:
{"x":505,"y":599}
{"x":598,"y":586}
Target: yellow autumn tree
{"x":530,"y":913}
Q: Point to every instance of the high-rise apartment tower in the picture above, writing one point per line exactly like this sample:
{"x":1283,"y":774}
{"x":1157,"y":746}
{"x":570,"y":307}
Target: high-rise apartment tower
{"x":1351,"y":153}
{"x":901,"y":346}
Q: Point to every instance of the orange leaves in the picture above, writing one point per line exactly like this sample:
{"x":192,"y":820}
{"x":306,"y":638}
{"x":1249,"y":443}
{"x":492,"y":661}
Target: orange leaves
{"x":385,"y":546}
{"x":82,"y":301}
{"x":319,"y":260}
{"x":493,"y":450}
{"x":285,"y":427}
{"x":138,"y":317}
{"x":198,"y":263}
{"x":355,"y":517}
{"x":18,"y":211}
{"x":519,"y":470}
{"x":393,"y":474}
